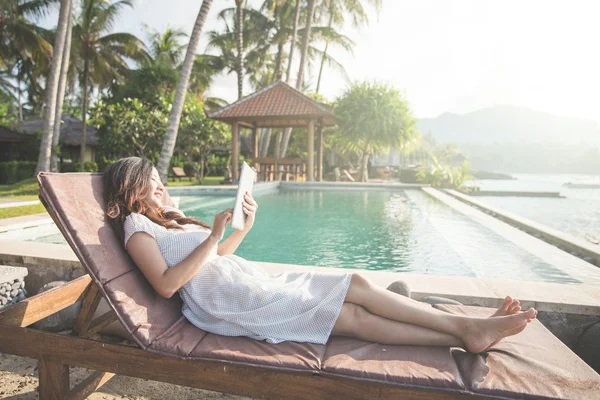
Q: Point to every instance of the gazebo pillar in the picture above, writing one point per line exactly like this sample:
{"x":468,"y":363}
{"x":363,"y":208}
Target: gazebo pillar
{"x":320,"y":151}
{"x":254,"y":143}
{"x":310,"y":170}
{"x":235,"y":151}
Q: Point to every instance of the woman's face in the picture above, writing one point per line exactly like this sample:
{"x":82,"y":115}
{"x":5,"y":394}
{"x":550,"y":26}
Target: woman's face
{"x":157,"y":190}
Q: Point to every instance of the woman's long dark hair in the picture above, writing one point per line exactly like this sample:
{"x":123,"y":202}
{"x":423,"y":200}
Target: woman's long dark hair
{"x":126,"y":189}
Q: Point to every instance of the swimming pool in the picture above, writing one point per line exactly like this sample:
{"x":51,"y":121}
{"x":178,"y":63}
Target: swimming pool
{"x":401,"y":231}
{"x":391,"y":230}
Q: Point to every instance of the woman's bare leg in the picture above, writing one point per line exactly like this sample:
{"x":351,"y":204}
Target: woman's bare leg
{"x":355,"y":321}
{"x":476,"y":333}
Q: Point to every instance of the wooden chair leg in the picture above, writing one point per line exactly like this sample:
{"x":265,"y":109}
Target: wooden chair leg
{"x":54,"y":380}
{"x":88,"y":307}
{"x":90,"y":385}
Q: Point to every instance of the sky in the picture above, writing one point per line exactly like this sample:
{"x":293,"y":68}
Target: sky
{"x":444,"y":55}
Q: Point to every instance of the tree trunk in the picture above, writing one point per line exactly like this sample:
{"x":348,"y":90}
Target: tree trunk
{"x":305,"y":41}
{"x":266,"y":142}
{"x":43,"y":163}
{"x":62,"y":83}
{"x":324,"y":51}
{"x":288,"y":75}
{"x":239,"y":13}
{"x":278,"y":63}
{"x":86,"y":85}
{"x":184,"y":77}
{"x":19,"y":100}
{"x":364,"y":171}
{"x":278,"y":144}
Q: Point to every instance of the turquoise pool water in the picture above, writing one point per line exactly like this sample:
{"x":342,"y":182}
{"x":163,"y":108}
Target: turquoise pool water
{"x":379,"y":230}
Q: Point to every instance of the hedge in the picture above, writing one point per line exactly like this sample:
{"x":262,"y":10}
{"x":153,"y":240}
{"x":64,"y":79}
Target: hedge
{"x":15,"y":171}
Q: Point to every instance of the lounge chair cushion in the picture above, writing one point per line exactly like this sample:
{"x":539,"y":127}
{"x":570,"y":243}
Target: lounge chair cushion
{"x":533,"y":364}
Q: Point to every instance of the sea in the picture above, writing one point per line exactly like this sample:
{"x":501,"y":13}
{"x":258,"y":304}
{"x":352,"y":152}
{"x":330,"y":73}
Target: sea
{"x":576,"y":212}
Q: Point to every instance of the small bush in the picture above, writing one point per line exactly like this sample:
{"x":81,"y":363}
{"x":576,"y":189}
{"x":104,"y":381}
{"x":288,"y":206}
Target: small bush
{"x":14,"y":171}
{"x":69,"y":167}
{"x":90,"y":166}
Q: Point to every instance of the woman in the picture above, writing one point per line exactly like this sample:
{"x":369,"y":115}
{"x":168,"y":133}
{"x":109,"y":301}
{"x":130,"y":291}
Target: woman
{"x":225,"y":294}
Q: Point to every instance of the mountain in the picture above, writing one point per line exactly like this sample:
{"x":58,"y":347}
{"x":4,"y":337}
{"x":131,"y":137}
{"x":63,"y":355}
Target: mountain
{"x":511,"y":124}
{"x":518,"y":139}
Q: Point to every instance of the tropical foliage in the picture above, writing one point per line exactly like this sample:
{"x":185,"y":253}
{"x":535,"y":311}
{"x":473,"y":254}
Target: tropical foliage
{"x":133,"y":127}
{"x":440,"y":175}
{"x":372,"y":118}
{"x":133,"y":86}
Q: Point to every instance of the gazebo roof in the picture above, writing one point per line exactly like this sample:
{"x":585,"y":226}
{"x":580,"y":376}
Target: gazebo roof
{"x":277,"y":105}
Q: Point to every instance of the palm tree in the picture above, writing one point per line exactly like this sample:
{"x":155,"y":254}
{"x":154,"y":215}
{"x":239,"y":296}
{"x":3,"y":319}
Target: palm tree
{"x":101,"y":60}
{"x":288,"y":75}
{"x":256,"y":44}
{"x":169,"y":144}
{"x":24,"y":48}
{"x":239,"y":27}
{"x":43,"y":163}
{"x":299,"y":79}
{"x":305,"y":43}
{"x":165,"y":47}
{"x":337,"y":11}
{"x":205,"y":68}
{"x":62,"y":84}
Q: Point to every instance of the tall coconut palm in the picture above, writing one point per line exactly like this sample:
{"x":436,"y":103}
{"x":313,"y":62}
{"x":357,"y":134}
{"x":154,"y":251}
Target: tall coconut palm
{"x":99,"y":57}
{"x":239,"y":30}
{"x":256,"y":45}
{"x":18,"y":34}
{"x":62,"y":84}
{"x":184,"y":76}
{"x":165,"y":47}
{"x":43,"y":163}
{"x":336,"y":11}
{"x":299,"y":79}
{"x":24,"y":48}
{"x":288,"y":75}
{"x":305,"y":43}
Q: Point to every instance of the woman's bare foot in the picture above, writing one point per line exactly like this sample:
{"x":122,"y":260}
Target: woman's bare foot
{"x":481,"y":333}
{"x":508,"y":307}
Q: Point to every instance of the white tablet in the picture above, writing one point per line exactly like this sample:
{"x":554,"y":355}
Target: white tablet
{"x":247,"y":176}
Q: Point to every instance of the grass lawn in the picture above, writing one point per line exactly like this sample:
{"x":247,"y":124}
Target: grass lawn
{"x":28,"y":190}
{"x":11,"y":212}
{"x":24,"y":190}
{"x":208,"y":181}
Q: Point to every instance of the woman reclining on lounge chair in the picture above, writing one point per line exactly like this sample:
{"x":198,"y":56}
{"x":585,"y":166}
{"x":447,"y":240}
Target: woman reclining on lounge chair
{"x":228,"y":295}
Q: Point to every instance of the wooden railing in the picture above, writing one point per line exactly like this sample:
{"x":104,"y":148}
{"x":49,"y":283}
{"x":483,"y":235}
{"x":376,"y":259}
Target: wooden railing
{"x":269,"y":169}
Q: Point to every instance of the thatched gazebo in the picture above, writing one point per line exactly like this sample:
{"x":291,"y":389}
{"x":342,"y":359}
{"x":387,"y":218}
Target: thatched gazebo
{"x":277,"y":106}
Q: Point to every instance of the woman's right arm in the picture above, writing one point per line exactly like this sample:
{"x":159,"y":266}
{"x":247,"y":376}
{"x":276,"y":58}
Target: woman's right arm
{"x":144,"y":251}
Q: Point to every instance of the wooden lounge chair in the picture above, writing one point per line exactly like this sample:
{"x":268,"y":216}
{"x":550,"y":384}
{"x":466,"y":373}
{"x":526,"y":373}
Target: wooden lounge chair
{"x":179,"y":173}
{"x":533,"y":364}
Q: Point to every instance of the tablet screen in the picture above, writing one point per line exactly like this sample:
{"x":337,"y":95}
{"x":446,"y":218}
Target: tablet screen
{"x":247,"y":176}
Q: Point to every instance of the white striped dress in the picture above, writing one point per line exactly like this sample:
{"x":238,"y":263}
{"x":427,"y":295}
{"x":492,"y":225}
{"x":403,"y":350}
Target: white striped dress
{"x":234,"y":297}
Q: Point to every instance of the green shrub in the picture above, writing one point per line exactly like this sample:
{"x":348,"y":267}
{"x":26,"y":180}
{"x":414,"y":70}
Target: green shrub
{"x":190,"y":168}
{"x":90,"y":166}
{"x":14,"y":171}
{"x":69,"y":167}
